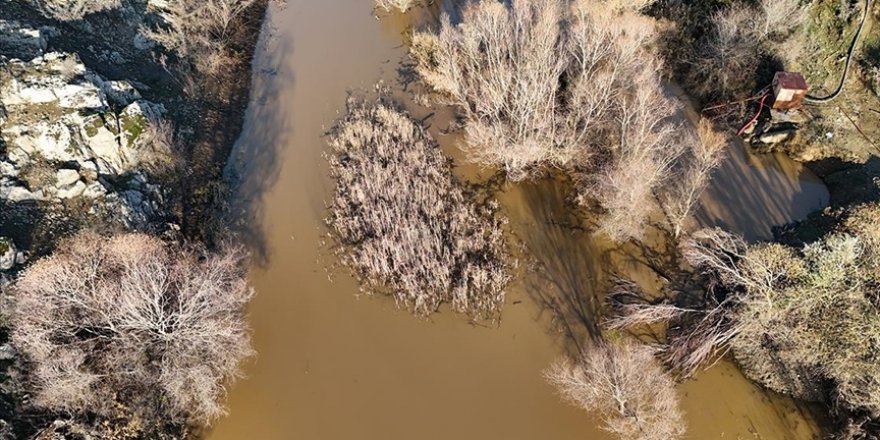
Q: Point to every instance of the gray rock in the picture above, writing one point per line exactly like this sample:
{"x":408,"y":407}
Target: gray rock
{"x":18,"y":194}
{"x":68,"y":192}
{"x":6,"y":352}
{"x":94,"y":190}
{"x":88,"y":170}
{"x":21,"y":42}
{"x":7,"y":253}
{"x":793,"y":116}
{"x":65,"y":178}
{"x":775,"y":137}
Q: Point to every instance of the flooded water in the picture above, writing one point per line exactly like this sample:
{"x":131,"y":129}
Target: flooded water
{"x":334,"y":365}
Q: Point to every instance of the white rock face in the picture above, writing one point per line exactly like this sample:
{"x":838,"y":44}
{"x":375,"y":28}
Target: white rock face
{"x":58,"y":114}
{"x":66,"y":177}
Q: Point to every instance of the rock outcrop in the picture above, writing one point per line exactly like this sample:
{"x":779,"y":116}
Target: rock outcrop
{"x":67,"y":133}
{"x":21,"y":42}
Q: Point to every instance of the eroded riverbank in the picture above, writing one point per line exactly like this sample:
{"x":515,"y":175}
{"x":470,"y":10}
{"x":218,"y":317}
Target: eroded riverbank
{"x":333,"y":365}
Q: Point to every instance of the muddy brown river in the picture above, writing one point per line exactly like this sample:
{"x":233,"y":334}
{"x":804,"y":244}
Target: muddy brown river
{"x":335,"y":365}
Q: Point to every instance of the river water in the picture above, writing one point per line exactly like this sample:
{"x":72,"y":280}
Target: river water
{"x":335,"y":365}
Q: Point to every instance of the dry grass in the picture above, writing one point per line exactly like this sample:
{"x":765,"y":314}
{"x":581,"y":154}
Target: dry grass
{"x":627,"y":386}
{"x":131,"y":319}
{"x":406,"y":225}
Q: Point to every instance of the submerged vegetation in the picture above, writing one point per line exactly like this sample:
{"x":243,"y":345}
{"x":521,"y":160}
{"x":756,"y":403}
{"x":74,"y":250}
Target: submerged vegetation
{"x":572,"y":85}
{"x":399,"y":5}
{"x":802,"y":320}
{"x":406,"y":224}
{"x":124,"y":334}
{"x":627,"y":385}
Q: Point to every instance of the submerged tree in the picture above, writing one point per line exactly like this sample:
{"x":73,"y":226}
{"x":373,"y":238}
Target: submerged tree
{"x":799,"y":320}
{"x":132,"y":320}
{"x":391,"y":5}
{"x":406,"y":225}
{"x":626,"y":385}
{"x":565,"y":84}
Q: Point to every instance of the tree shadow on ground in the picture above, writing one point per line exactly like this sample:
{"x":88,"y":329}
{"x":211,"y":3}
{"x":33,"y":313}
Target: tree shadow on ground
{"x":566,"y":275}
{"x":254,"y":164}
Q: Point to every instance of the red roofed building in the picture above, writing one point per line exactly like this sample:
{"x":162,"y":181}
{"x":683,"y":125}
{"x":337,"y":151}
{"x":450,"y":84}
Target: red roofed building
{"x":789,"y":90}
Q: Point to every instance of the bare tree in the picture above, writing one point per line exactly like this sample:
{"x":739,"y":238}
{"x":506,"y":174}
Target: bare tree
{"x":727,"y":58}
{"x":131,"y":319}
{"x":406,"y":225}
{"x":199,"y":31}
{"x":559,"y":83}
{"x":706,"y":154}
{"x":400,"y":5}
{"x":796,"y":319}
{"x":778,"y":18}
{"x":627,"y":386}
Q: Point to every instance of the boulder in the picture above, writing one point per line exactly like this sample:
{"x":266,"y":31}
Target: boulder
{"x":65,"y":178}
{"x":70,"y":191}
{"x":775,"y":137}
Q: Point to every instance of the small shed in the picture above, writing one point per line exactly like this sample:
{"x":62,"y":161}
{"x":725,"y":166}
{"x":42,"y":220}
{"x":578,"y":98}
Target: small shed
{"x":789,"y":90}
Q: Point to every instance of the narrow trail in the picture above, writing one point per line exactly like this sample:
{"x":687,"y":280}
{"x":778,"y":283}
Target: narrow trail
{"x":852,"y":48}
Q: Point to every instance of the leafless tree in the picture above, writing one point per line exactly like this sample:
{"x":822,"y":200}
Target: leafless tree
{"x":627,"y":386}
{"x":68,"y":10}
{"x":559,"y":83}
{"x":391,"y":5}
{"x":199,"y":31}
{"x":133,"y":320}
{"x":727,"y":57}
{"x":707,"y":153}
{"x":404,"y":222}
{"x":778,"y":18}
{"x":795,"y":318}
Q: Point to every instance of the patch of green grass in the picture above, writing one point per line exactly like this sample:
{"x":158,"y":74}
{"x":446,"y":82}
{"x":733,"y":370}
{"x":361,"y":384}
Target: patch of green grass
{"x":133,"y":126}
{"x":93,"y":126}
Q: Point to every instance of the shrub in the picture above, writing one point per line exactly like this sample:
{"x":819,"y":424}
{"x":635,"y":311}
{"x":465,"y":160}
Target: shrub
{"x":561,"y":84}
{"x":200,"y":32}
{"x":405,"y":223}
{"x":627,"y":386}
{"x":158,"y":150}
{"x":130,"y":319}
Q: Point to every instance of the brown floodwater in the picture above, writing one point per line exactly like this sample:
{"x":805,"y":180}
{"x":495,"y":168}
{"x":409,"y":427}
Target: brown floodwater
{"x":335,"y":365}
